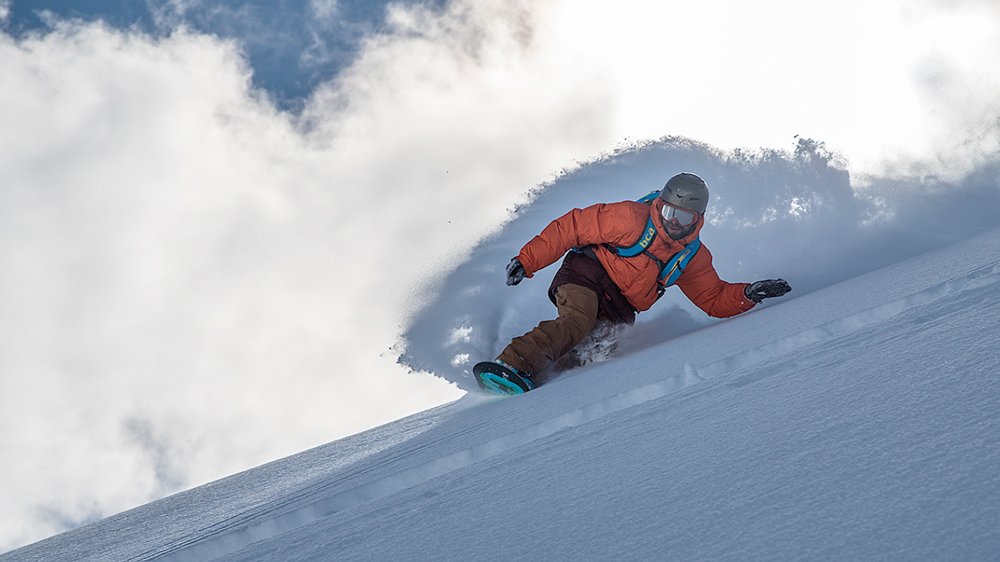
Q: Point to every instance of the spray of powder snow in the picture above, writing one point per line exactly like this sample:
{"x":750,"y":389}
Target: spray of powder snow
{"x":789,"y":214}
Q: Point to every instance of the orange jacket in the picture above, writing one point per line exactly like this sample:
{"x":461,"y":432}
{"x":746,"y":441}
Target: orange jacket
{"x":621,"y":224}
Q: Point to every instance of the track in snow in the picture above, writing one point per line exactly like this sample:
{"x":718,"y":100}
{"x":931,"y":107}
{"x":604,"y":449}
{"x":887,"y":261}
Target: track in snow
{"x":317,"y":503}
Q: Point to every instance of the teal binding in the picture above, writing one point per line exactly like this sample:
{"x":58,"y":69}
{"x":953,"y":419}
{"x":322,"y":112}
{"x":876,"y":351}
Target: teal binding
{"x":499,"y":385}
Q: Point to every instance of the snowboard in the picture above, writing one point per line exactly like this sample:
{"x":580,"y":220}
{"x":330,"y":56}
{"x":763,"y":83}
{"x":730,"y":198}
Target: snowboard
{"x":497,"y":379}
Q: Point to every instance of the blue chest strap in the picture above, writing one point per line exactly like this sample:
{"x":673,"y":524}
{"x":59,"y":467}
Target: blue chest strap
{"x":648,"y":235}
{"x":675,"y":266}
{"x":670,"y":270}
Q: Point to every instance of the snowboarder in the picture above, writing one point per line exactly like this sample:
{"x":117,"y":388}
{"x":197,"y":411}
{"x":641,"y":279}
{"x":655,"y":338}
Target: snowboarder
{"x":621,"y":258}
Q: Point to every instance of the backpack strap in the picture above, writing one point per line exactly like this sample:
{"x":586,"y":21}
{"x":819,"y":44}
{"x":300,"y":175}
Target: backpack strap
{"x":649,"y":197}
{"x":675,"y":267}
{"x":648,"y":235}
{"x":670,"y":270}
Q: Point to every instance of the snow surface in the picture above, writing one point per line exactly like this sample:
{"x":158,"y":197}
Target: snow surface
{"x":856,"y":421}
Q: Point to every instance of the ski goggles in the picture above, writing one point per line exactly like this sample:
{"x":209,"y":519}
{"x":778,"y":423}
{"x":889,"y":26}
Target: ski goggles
{"x":683,"y":216}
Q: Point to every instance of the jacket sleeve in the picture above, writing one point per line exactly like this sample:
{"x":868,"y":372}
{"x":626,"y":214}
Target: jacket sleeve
{"x":701,"y":284}
{"x":606,"y":223}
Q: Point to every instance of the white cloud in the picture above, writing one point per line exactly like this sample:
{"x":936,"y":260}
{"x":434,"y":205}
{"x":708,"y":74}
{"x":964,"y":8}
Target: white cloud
{"x":324,"y":10}
{"x":182,"y":258}
{"x":751,"y":74}
{"x":176,"y":256}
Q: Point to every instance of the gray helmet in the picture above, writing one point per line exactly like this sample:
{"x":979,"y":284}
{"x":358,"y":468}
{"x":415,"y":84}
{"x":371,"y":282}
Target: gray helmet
{"x":687,"y":191}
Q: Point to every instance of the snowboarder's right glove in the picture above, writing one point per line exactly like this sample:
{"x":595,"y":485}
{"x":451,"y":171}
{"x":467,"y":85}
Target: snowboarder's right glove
{"x":515,"y":272}
{"x":766,"y":289}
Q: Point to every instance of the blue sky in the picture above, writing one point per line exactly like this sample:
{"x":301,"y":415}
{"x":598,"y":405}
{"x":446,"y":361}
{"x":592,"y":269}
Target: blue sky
{"x":292,"y":45}
{"x":216,"y":223}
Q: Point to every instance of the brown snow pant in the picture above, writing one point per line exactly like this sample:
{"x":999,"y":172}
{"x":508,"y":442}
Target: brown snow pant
{"x":533,"y":352}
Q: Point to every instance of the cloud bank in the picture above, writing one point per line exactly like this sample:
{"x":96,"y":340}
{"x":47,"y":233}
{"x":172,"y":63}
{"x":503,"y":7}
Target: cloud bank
{"x":194,"y":282}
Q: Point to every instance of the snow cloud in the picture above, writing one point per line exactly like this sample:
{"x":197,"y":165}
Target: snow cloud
{"x":883,"y":84}
{"x":194,"y":282}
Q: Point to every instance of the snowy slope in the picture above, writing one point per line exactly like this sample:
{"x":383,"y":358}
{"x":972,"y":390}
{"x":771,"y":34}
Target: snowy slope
{"x":860,"y":421}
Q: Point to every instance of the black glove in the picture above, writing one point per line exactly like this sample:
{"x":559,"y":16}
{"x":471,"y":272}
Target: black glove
{"x":515,"y":272}
{"x":766,"y":289}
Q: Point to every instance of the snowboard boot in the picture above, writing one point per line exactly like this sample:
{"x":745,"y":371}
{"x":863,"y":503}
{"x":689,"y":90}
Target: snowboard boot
{"x":524,"y":376}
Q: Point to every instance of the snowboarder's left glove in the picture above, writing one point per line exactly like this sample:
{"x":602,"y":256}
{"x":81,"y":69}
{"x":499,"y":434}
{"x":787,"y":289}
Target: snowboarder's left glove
{"x":766,"y":289}
{"x":515,"y":272}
